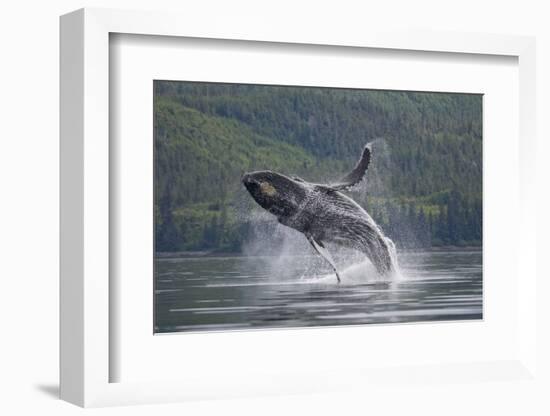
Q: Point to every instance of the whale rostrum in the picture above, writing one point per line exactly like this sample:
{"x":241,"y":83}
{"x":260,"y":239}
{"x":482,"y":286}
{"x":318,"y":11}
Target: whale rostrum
{"x":324,"y":214}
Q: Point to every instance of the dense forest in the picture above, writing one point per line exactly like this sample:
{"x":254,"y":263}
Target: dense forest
{"x":424,"y":185}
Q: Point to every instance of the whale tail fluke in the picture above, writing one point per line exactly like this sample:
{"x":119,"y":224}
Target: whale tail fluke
{"x":358,"y":172}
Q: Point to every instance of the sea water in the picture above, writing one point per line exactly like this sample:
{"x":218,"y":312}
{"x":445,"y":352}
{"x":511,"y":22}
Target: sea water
{"x":212,"y":293}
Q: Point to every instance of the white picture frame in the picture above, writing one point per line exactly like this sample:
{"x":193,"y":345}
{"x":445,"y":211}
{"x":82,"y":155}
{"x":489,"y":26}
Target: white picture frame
{"x":85,"y":212}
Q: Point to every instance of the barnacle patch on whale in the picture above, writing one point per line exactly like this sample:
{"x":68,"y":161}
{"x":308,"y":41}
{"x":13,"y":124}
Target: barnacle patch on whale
{"x":267,"y":189}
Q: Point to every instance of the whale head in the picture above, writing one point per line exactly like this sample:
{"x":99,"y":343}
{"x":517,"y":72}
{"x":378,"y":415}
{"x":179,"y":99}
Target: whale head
{"x":280,"y":195}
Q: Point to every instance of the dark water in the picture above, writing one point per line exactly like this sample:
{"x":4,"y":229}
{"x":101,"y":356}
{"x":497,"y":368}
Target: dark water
{"x":218,"y":293}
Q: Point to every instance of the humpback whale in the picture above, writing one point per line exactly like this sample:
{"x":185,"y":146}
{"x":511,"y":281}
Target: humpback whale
{"x":324,"y":214}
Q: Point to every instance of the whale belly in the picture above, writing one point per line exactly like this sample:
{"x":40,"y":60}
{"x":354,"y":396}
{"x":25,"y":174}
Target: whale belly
{"x":350,"y":226}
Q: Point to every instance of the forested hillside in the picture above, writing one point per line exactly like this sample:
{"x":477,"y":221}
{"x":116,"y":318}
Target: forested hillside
{"x":424,"y":185}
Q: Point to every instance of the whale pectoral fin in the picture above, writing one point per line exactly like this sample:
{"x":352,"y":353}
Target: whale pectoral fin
{"x":322,"y":250}
{"x":358,"y":172}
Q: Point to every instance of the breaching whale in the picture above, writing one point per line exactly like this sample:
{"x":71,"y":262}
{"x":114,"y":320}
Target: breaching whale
{"x":323,"y":214}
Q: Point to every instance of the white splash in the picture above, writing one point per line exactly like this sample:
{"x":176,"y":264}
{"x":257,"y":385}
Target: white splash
{"x":286,"y":255}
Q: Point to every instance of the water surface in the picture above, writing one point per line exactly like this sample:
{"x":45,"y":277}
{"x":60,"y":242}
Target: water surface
{"x":218,"y":293}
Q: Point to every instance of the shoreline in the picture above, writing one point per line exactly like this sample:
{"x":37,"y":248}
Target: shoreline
{"x":213,"y":253}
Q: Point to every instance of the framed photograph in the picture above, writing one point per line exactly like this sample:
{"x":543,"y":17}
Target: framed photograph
{"x":243,"y":241}
{"x":265,"y":213}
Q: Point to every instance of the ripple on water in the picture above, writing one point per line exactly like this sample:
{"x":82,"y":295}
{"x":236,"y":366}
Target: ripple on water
{"x":228,"y":293}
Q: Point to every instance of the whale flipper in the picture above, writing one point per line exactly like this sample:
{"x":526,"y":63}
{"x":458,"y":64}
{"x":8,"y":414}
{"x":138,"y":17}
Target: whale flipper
{"x":358,"y":172}
{"x":321,"y":249}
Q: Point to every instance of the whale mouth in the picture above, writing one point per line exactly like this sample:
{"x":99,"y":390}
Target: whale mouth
{"x":247,"y":179}
{"x":250,"y":183}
